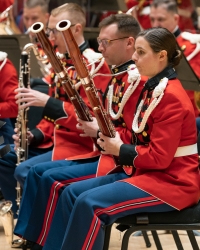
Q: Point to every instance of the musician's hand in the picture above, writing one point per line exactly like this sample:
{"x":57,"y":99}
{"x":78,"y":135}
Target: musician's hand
{"x":89,"y":128}
{"x":29,"y":97}
{"x":16,"y":138}
{"x":110,"y":145}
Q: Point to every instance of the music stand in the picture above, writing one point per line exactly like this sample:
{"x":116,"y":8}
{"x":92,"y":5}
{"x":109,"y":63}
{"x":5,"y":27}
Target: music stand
{"x":13,"y":45}
{"x":186,"y":75}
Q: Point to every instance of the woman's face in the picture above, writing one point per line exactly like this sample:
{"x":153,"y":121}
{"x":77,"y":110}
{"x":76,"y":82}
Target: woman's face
{"x":148,"y":62}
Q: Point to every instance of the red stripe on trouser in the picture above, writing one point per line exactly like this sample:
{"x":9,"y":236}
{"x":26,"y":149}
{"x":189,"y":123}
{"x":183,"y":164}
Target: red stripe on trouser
{"x":114,"y":209}
{"x":51,"y":205}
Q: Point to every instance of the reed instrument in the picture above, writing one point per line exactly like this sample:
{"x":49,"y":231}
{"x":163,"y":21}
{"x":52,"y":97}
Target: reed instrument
{"x":80,"y":107}
{"x":105,"y":124}
{"x":22,"y":117}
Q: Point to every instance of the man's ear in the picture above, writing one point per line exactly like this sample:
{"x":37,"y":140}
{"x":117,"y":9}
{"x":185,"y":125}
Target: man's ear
{"x":131,"y":41}
{"x":78,"y":28}
{"x":176,"y":18}
{"x":47,"y":17}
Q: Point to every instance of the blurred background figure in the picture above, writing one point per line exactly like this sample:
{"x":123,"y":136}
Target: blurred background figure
{"x":8,"y":106}
{"x":33,"y":11}
{"x":188,"y":20}
{"x":164,"y":13}
{"x":7,"y":21}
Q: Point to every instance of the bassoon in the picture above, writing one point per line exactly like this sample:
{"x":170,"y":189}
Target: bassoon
{"x":105,"y":124}
{"x":81,"y":108}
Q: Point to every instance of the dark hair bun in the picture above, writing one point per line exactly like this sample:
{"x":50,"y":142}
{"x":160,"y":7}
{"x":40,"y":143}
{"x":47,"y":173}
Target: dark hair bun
{"x":176,"y":57}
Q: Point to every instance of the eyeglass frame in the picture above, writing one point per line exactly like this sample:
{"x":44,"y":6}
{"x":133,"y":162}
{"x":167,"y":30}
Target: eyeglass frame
{"x":102,"y":41}
{"x":54,"y":30}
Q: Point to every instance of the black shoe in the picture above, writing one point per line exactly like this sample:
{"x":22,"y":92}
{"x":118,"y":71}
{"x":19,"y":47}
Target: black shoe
{"x":22,"y":244}
{"x":36,"y":247}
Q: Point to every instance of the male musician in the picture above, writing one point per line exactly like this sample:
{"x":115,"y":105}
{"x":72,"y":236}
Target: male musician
{"x":164,"y":14}
{"x":117,"y":33}
{"x":57,"y":130}
{"x":34,"y":11}
{"x":141,"y":10}
{"x":8,"y":106}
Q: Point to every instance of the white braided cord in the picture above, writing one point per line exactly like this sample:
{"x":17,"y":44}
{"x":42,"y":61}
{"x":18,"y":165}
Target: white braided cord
{"x":135,"y":79}
{"x":158,"y":93}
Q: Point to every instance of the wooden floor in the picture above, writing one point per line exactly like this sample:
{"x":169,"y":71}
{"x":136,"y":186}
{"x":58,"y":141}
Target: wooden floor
{"x":136,"y":242}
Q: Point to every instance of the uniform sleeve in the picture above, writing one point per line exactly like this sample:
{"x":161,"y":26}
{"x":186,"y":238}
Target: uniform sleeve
{"x":9,"y":82}
{"x":43,"y":133}
{"x":54,"y":109}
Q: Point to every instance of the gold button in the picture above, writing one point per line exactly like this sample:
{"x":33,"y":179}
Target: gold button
{"x":120,"y":94}
{"x":144,"y":133}
{"x":124,"y":124}
{"x":57,"y":126}
{"x":121,"y":115}
{"x":52,"y":120}
{"x":123,"y":84}
{"x":48,"y":119}
{"x":119,"y":104}
{"x":114,"y":80}
{"x":183,"y":47}
{"x":45,"y":117}
{"x":58,"y":85}
{"x":52,"y":75}
{"x":49,"y":85}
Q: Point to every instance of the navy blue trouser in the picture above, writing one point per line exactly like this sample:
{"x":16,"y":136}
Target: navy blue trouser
{"x":8,"y":176}
{"x":7,"y":130}
{"x":42,"y":189}
{"x":86,"y":207}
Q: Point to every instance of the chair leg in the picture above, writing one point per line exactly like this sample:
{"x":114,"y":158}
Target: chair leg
{"x":107,"y":237}
{"x":177,"y":240}
{"x":125,"y":239}
{"x":146,"y":239}
{"x":156,"y":240}
{"x":192,"y":240}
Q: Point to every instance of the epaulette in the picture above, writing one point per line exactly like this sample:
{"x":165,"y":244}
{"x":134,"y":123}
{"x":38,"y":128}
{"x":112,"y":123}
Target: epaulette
{"x":91,"y":55}
{"x":133,"y":73}
{"x":3,"y":59}
{"x":3,"y":56}
{"x":193,"y":38}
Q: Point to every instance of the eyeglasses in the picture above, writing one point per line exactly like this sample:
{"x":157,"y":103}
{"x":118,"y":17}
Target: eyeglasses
{"x":105,"y":42}
{"x":49,"y":30}
{"x":54,"y":30}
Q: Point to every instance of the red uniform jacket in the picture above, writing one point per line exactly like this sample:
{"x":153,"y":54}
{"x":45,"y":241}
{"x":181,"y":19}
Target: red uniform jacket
{"x":124,"y":124}
{"x":9,"y":82}
{"x":190,"y":43}
{"x":58,"y":128}
{"x":142,"y":13}
{"x":173,"y":179}
{"x":5,"y":4}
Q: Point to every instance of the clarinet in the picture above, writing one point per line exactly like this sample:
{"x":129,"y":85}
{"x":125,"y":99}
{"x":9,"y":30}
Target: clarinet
{"x":80,"y":107}
{"x":105,"y":124}
{"x":21,"y":121}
